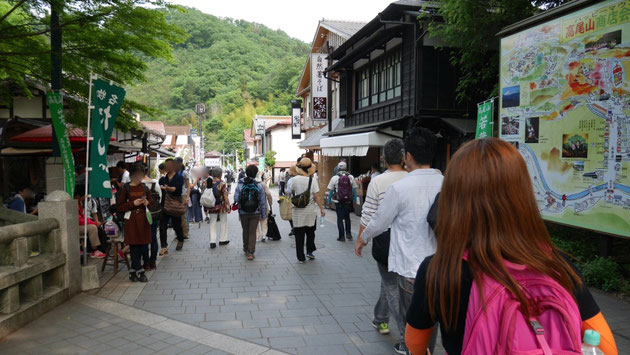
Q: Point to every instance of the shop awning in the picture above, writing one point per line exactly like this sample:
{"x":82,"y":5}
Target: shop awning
{"x":353,"y":144}
{"x":44,"y":135}
{"x":312,"y":142}
{"x":18,"y":152}
{"x":124,"y":147}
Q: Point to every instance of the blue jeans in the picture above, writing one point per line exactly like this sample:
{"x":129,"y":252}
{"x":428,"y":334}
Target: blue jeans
{"x":195,"y":211}
{"x":405,"y":289}
{"x":343,"y":214}
{"x":154,"y":241}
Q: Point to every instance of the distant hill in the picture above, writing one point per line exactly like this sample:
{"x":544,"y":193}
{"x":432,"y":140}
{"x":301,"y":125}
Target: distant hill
{"x":237,"y":68}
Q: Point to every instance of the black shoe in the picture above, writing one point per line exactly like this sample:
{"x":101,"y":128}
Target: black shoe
{"x":142,"y":277}
{"x":342,"y":239}
{"x":291,"y":233}
{"x":213,"y":245}
{"x":224,"y":243}
{"x":133,"y":277}
{"x":401,"y":348}
{"x":179,"y":246}
{"x":349,"y":236}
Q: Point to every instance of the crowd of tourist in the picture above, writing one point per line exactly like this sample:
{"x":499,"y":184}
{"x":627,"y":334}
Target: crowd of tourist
{"x":446,"y":256}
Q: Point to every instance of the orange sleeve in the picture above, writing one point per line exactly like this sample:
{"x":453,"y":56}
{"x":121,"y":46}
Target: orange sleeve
{"x":417,"y":340}
{"x":599,"y":324}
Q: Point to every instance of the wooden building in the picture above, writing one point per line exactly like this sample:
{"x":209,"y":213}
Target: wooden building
{"x":392,"y":77}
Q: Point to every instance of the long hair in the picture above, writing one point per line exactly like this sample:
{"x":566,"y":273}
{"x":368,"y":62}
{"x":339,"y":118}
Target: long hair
{"x":487,"y":207}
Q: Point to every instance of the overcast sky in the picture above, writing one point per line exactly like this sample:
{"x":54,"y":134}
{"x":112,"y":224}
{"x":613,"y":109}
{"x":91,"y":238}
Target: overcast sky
{"x":297,"y":18}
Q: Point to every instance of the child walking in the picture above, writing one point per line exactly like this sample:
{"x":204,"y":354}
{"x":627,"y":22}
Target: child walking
{"x":133,"y":201}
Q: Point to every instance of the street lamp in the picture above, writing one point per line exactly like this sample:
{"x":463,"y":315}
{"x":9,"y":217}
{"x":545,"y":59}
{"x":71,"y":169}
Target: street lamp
{"x":201,"y":109}
{"x":261,"y":131}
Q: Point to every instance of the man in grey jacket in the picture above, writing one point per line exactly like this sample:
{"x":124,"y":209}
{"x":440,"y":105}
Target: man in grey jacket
{"x":252,"y":208}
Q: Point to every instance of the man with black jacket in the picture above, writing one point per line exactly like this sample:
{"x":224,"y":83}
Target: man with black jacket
{"x":388,"y":299}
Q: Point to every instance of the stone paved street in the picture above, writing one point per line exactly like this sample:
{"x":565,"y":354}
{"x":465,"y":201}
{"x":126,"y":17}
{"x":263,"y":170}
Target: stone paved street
{"x":215,"y":301}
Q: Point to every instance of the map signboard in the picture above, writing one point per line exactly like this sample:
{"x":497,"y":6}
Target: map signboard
{"x":565,"y":103}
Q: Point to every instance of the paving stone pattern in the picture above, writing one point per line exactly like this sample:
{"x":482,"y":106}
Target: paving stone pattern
{"x":202,"y":301}
{"x":324,"y":306}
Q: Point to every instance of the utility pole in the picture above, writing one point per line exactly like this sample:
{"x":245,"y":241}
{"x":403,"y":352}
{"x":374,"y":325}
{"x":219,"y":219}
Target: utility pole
{"x":56,"y":6}
{"x":201,"y":109}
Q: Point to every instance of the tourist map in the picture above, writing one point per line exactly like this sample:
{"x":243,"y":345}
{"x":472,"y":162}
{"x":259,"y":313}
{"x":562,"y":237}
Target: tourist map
{"x":565,"y":104}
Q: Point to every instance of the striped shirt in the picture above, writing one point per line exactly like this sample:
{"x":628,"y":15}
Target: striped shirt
{"x":376,"y":192}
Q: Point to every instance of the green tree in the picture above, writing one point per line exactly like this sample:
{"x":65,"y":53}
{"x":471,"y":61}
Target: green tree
{"x":471,"y":27}
{"x":113,"y":38}
{"x":237,"y":68}
{"x":270,"y":158}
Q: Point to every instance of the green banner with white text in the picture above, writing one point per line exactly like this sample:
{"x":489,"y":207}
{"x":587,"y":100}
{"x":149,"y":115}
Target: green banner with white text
{"x":107,"y":100}
{"x":484,"y":119}
{"x":55,"y":104}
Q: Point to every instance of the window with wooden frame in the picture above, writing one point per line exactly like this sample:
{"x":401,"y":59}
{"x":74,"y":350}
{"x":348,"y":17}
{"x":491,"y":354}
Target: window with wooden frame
{"x":381,"y":80}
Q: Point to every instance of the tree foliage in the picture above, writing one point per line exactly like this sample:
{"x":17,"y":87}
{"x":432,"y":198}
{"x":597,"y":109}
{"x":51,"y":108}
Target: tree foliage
{"x":270,"y":158}
{"x":114,"y":38}
{"x":237,"y":68}
{"x":471,"y":27}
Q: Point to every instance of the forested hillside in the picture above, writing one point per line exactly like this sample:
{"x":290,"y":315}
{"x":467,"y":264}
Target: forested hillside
{"x":237,"y":68}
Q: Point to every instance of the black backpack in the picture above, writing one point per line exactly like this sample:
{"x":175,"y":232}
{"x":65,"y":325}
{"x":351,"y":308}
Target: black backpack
{"x":155,"y":207}
{"x":248,"y":200}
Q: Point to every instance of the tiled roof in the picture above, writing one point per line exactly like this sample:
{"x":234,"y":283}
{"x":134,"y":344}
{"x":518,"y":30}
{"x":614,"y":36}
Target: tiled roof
{"x":247,"y":136}
{"x":157,"y":126}
{"x":177,"y":130}
{"x":343,"y":28}
{"x":286,"y":122}
{"x":213,"y":153}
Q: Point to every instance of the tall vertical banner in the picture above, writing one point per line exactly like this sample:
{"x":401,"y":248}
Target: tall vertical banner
{"x":319,"y":87}
{"x":484,"y":119}
{"x":55,"y":104}
{"x":106,"y":101}
{"x":296,"y":120}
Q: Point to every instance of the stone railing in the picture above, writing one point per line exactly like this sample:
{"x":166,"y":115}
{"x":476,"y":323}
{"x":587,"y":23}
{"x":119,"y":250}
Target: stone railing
{"x":36,"y":272}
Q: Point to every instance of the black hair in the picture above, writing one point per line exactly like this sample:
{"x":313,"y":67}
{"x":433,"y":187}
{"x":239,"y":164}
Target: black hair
{"x":393,"y":151}
{"x":421,"y":144}
{"x":79,"y":190}
{"x":251,"y":171}
{"x":121,"y":164}
{"x":23,"y":187}
{"x":161,"y":166}
{"x":137,"y":168}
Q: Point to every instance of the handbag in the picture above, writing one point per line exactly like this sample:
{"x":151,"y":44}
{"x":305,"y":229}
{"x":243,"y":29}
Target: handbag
{"x":286,"y":208}
{"x":302,"y":200}
{"x":174,"y":206}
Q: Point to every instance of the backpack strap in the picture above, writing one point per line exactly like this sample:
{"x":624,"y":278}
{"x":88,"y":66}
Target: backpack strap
{"x":540,"y":336}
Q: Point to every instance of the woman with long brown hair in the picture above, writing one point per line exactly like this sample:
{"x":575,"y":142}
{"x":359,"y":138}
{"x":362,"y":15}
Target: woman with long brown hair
{"x":489,"y":222}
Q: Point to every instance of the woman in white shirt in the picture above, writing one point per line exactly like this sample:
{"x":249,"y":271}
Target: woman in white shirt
{"x":305,"y":219}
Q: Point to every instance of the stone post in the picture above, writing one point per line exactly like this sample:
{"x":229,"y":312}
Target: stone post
{"x":55,"y":180}
{"x":60,"y":206}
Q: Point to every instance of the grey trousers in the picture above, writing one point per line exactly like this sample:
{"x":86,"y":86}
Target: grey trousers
{"x":388,"y":300}
{"x":405,"y":287}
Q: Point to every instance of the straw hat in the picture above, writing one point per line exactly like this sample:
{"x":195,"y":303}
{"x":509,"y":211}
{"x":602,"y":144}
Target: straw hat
{"x":292,"y":171}
{"x":305,"y":163}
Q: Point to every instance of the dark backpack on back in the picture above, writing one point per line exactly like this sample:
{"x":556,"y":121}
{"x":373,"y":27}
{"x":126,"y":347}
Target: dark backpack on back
{"x":248,"y":200}
{"x":155,"y":207}
{"x":344,"y":189}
